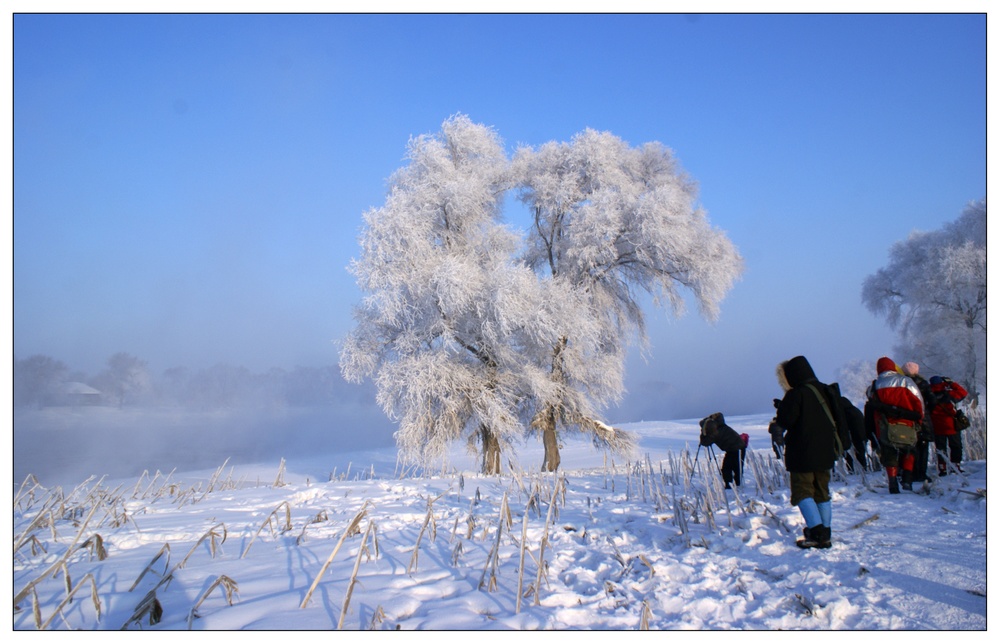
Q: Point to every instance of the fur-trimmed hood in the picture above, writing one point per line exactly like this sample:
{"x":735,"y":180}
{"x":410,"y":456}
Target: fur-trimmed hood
{"x":794,"y":372}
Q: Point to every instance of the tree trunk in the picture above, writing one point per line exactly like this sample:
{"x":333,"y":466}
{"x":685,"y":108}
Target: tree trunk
{"x":550,"y":441}
{"x":549,"y":438}
{"x":491,"y":451}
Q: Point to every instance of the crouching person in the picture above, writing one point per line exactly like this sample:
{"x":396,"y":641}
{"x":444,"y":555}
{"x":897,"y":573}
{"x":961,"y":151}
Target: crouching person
{"x":715,"y":431}
{"x":807,"y":415}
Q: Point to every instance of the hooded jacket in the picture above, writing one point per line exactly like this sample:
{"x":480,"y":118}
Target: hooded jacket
{"x":809,"y":437}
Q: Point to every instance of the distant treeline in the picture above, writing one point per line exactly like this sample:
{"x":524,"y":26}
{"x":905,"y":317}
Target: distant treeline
{"x":42,"y":381}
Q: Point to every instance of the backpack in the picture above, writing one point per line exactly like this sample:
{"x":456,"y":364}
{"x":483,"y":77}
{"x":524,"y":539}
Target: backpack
{"x":897,"y":434}
{"x":836,"y":416}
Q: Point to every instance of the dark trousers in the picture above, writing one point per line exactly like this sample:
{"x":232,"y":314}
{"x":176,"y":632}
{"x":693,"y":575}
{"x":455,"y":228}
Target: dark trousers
{"x":921,"y":452}
{"x":732,"y":467}
{"x":903,"y":457}
{"x":950,"y":444}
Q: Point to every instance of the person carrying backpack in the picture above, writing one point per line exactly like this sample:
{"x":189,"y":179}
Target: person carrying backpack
{"x":895,"y":408}
{"x":944,"y":417}
{"x":715,"y":431}
{"x":925,"y":431}
{"x":809,"y":414}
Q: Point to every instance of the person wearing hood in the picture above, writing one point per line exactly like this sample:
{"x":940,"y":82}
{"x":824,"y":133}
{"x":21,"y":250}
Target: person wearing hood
{"x":807,"y":413}
{"x":896,"y":410}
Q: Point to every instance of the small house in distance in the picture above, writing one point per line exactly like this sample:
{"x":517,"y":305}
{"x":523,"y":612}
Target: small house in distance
{"x":78,"y":393}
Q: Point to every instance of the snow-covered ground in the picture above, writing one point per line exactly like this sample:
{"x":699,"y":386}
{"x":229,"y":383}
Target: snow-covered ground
{"x":355,"y":541}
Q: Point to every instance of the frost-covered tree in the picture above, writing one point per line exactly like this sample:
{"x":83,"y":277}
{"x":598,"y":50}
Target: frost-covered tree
{"x":933,"y":293}
{"x":471,"y":331}
{"x":449,"y":315}
{"x":854,"y":378}
{"x":126,"y":377}
{"x":611,"y":222}
{"x":36,"y":380}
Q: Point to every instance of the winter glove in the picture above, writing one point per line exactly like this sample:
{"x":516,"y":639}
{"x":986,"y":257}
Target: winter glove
{"x":777,"y":403}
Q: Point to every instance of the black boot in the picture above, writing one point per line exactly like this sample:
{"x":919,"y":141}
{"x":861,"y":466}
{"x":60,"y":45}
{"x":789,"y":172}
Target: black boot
{"x":815,"y":537}
{"x":893,"y":481}
{"x":823,"y":536}
{"x":908,"y":480}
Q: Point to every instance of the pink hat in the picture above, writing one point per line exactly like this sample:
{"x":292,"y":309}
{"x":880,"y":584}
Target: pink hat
{"x":911,"y":368}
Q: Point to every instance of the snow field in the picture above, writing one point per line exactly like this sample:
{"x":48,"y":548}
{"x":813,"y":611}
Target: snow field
{"x":627,"y":548}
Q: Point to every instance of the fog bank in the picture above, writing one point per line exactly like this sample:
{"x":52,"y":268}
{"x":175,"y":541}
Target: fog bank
{"x":65,"y":445}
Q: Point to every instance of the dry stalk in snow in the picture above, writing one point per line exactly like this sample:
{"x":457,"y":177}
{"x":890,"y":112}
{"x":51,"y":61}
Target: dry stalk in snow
{"x":32,"y":484}
{"x":149,"y":607}
{"x":212,"y":535}
{"x":429,"y":519}
{"x":378,"y":616}
{"x":768,"y":512}
{"x":59,"y":563}
{"x":352,"y":528}
{"x":647,"y":612}
{"x":214,"y":479}
{"x":354,"y":575}
{"x":493,"y":560}
{"x":873,"y":517}
{"x":544,"y":542}
{"x":267,"y":522}
{"x":320,"y":517}
{"x":279,"y":480}
{"x":37,"y":522}
{"x":69,"y":596}
{"x":164,"y":550}
{"x":228,"y":587}
{"x":96,"y":546}
{"x":520,"y":565}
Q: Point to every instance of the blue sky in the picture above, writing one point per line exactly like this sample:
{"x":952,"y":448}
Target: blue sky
{"x":189,"y":188}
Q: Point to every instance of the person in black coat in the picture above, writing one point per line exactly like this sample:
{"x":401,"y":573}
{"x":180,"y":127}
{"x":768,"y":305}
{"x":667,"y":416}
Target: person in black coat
{"x":777,"y":439}
{"x":859,"y":438}
{"x":808,"y":414}
{"x":715,"y":431}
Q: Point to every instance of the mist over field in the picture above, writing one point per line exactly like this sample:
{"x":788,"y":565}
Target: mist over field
{"x":65,"y":445}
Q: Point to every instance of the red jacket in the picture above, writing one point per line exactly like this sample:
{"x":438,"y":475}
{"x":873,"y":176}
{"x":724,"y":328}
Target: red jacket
{"x":946,"y":393}
{"x":893,"y":388}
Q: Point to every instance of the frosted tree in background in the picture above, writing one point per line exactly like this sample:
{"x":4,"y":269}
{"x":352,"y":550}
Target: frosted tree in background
{"x":449,"y":315}
{"x":933,"y":293}
{"x":612,"y":222}
{"x":36,"y":380}
{"x":125,"y":378}
{"x":854,"y":378}
{"x":471,"y":331}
